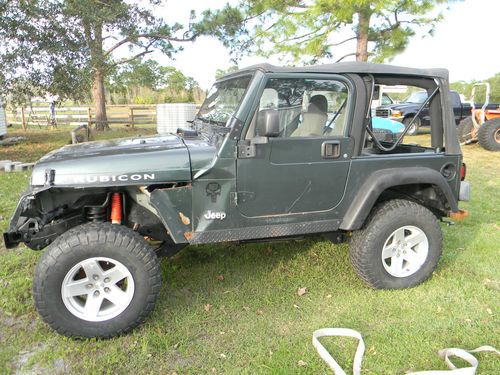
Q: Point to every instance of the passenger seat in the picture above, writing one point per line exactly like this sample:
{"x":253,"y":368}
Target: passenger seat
{"x":314,"y":120}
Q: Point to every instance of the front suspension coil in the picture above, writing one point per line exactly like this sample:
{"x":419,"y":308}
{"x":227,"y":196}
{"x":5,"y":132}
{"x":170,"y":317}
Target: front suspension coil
{"x":96,"y":214}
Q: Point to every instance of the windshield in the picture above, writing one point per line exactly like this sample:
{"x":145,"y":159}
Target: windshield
{"x":386,"y":99}
{"x":417,"y":97}
{"x":223,"y":100}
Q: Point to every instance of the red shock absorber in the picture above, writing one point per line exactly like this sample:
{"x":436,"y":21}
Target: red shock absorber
{"x":116,"y":208}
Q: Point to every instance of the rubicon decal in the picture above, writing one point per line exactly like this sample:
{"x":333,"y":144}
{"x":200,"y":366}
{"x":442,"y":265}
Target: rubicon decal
{"x":113,"y":178}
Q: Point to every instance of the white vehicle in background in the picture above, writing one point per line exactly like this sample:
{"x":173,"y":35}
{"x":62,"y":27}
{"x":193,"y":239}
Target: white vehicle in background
{"x":381,"y":95}
{"x":3,"y":122}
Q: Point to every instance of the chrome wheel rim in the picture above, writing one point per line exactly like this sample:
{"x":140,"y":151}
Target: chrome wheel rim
{"x":405,"y":251}
{"x":412,"y":130}
{"x":97,"y":289}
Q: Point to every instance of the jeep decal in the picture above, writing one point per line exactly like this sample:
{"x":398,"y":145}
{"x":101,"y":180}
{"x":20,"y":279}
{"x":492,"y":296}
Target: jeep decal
{"x":209,"y":215}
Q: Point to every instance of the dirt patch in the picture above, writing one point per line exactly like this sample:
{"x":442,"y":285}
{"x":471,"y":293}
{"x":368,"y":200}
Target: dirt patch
{"x":22,"y":362}
{"x":8,"y":321}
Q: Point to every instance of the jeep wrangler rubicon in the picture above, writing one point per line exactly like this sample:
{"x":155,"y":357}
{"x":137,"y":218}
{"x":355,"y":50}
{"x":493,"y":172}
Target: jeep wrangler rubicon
{"x":274,"y":153}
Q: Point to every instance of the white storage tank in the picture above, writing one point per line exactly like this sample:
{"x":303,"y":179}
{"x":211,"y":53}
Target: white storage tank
{"x":3,"y":122}
{"x":172,"y":116}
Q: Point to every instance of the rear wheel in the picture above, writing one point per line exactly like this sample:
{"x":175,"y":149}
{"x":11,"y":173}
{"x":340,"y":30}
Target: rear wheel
{"x":96,"y":280}
{"x":489,"y":135}
{"x":414,"y":127}
{"x":466,"y":131}
{"x":399,"y":247}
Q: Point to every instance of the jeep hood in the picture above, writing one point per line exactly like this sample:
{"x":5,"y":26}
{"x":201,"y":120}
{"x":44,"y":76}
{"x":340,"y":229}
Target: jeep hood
{"x":128,"y":161}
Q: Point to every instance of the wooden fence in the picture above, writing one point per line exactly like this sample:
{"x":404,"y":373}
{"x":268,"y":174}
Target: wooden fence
{"x":129,"y":115}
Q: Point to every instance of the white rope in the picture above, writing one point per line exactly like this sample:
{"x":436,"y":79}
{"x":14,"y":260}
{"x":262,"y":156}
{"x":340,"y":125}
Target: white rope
{"x":445,"y":354}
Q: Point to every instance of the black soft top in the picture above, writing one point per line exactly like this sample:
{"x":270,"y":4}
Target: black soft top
{"x":347,"y":67}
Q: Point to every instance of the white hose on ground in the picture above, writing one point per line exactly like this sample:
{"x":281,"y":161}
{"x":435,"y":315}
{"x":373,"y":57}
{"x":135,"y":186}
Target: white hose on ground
{"x":445,"y":354}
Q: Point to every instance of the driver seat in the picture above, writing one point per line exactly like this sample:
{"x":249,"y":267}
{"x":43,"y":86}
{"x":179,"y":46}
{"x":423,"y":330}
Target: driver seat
{"x":314,"y":120}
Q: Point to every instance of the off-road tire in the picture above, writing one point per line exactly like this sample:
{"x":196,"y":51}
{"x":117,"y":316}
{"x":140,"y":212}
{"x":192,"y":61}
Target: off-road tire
{"x":465,"y":130}
{"x":489,"y":135}
{"x":415,"y":127}
{"x":96,"y":240}
{"x":367,"y":243}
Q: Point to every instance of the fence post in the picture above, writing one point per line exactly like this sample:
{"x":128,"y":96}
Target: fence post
{"x":89,"y":115}
{"x":23,"y":118}
{"x":131,"y":116}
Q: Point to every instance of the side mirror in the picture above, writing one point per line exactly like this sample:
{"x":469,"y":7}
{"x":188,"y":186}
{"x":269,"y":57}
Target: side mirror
{"x":268,"y":123}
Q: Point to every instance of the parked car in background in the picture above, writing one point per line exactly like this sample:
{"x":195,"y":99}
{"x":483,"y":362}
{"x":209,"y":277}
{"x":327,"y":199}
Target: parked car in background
{"x":407,"y":109}
{"x":386,"y":130}
{"x":381,"y":98}
{"x":382,"y":95}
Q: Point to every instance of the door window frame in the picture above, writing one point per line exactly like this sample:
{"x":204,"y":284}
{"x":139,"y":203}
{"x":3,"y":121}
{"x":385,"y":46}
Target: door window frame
{"x":351,"y":95}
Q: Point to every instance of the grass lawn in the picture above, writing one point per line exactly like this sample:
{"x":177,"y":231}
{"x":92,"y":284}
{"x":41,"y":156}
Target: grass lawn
{"x":235,"y":309}
{"x":41,"y":141}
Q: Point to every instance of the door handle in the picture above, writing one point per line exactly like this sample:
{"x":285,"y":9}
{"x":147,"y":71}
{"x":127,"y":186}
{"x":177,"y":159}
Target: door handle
{"x":330,"y":150}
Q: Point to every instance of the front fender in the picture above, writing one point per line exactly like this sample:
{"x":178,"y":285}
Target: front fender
{"x":381,"y":180}
{"x":174,"y":209}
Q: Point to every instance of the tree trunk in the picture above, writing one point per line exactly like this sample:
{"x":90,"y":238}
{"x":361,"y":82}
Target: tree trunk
{"x":101,"y":118}
{"x":362,"y":36}
{"x":93,"y":36}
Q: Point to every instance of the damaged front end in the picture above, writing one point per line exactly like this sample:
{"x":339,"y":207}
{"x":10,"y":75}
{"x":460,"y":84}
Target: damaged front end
{"x":37,"y":229}
{"x":44,"y":213}
{"x":74,"y":185}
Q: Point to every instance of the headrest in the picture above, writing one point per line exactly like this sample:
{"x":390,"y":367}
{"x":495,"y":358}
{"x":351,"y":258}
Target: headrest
{"x":318,"y":104}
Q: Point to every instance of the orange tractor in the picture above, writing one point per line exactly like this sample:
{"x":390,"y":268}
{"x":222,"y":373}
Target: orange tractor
{"x":483,"y":125}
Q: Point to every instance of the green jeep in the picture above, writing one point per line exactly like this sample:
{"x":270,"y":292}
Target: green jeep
{"x":274,"y":153}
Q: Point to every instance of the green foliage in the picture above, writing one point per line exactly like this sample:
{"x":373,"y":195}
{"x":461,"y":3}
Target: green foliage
{"x":63,"y":47}
{"x":176,"y":80}
{"x":305,"y":31}
{"x":136,"y":73}
{"x":227,"y":24}
{"x":465,"y":88}
{"x":147,"y":82}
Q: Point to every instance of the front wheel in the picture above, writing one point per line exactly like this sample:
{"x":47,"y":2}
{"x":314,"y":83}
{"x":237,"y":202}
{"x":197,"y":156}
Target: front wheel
{"x":399,"y":247}
{"x":96,"y":280}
